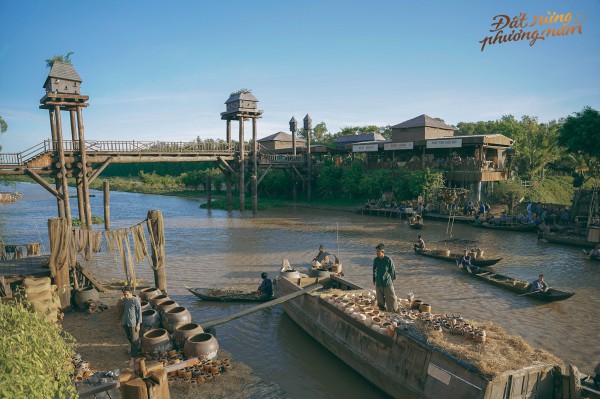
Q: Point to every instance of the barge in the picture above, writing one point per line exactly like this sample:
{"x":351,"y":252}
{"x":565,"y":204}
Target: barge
{"x":405,"y":365}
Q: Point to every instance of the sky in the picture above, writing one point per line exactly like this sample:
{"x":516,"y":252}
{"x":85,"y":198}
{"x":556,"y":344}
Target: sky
{"x":162,"y":71}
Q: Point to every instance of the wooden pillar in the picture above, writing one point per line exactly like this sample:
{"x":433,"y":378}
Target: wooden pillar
{"x":229,"y":196}
{"x":157,"y":229}
{"x":106,"y":189}
{"x":309,"y":165}
{"x":208,"y":192}
{"x":59,"y":200}
{"x":59,"y":234}
{"x":255,"y":168}
{"x":228,"y":133}
{"x":242,"y":166}
{"x":63,"y":170}
{"x":78,"y":181}
{"x":84,"y":178}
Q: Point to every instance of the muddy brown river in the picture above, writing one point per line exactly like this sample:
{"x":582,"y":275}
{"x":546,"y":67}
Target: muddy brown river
{"x":219,"y":248}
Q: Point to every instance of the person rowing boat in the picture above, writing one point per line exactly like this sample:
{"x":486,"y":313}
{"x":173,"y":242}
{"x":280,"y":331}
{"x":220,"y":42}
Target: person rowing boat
{"x":539,"y":285}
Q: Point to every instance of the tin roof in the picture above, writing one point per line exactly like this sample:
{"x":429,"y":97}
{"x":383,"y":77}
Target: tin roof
{"x":423,"y":121}
{"x":281,"y":136}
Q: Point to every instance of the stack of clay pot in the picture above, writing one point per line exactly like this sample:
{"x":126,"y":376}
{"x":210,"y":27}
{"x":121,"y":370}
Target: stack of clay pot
{"x":203,"y":372}
{"x":42,"y":296}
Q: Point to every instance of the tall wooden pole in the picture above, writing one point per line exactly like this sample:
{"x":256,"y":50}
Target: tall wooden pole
{"x":61,"y":159}
{"x":255,"y":168}
{"x":228,"y":131}
{"x":242,"y":166}
{"x":157,"y":229}
{"x":57,"y":182}
{"x":106,"y":190}
{"x":78,"y":181}
{"x":59,"y":234}
{"x":84,"y":178}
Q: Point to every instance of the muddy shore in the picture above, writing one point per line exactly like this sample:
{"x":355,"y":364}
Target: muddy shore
{"x":102,"y":342}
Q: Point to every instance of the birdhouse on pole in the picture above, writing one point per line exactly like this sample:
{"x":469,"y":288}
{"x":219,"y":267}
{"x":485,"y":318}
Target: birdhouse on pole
{"x":63,"y":79}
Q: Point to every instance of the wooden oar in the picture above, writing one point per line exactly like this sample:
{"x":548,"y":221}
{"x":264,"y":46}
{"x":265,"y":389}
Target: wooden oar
{"x":533,"y":292}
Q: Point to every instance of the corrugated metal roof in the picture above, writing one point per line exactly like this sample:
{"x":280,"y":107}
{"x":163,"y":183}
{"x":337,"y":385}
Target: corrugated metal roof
{"x":360,"y":137}
{"x":63,"y":70}
{"x":281,"y":136}
{"x":423,"y":121}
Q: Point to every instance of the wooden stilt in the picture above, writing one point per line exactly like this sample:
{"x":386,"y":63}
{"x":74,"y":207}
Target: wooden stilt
{"x":80,"y":199}
{"x":156,"y":228}
{"x":255,"y":168}
{"x":84,"y":177}
{"x":106,"y":191}
{"x":61,"y":159}
{"x":59,"y":198}
{"x":242,"y":166}
{"x":59,"y":234}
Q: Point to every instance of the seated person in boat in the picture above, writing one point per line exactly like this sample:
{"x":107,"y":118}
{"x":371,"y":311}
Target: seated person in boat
{"x":321,"y":255}
{"x":265,"y":289}
{"x":539,"y":285}
{"x":420,"y":244}
{"x":595,"y":253}
{"x":464,"y":263}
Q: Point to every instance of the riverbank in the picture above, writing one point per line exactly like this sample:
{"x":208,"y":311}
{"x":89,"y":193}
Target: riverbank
{"x":101,"y":341}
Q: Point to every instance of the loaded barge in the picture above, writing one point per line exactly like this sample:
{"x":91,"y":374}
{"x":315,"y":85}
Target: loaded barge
{"x":403,"y":364}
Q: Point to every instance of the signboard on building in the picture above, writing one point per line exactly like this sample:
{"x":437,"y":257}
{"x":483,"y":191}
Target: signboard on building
{"x":398,"y":146}
{"x":444,"y":143}
{"x":365,"y":147}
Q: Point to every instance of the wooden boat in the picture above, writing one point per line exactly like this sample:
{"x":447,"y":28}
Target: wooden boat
{"x":530,"y":227}
{"x":521,"y":287}
{"x":405,"y":365}
{"x":415,"y":222}
{"x":479,"y":262}
{"x":211,"y":294}
{"x":573,"y":241}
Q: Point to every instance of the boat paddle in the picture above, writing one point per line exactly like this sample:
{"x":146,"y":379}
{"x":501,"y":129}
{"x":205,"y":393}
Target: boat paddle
{"x":533,"y":292}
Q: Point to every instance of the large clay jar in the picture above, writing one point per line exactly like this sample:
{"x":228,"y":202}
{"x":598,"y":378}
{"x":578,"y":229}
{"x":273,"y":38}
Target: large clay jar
{"x":150,"y":320}
{"x":155,"y":342}
{"x":145,"y":305}
{"x":158,"y":299}
{"x":204,"y":346}
{"x":183,"y":332}
{"x":148,"y":293}
{"x":176,"y":317}
{"x":164,"y":306}
{"x":85,"y":294}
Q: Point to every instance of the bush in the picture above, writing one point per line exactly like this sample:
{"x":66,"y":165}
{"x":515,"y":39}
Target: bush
{"x":35,"y":356}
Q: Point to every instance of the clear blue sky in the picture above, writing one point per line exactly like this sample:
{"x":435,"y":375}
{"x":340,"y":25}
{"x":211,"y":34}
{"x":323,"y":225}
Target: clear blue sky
{"x":158,"y":70}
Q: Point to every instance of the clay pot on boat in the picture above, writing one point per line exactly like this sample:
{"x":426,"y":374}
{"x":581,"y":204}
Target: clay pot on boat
{"x":204,"y":346}
{"x":183,"y":332}
{"x":148,"y":293}
{"x":156,"y":341}
{"x":175,"y":318}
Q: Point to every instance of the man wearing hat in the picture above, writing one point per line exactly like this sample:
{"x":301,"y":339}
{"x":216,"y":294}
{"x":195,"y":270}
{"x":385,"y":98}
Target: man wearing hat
{"x":130,"y":314}
{"x":384,"y":274}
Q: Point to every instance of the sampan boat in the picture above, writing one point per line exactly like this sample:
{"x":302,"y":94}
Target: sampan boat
{"x":520,"y":286}
{"x":216,"y":295}
{"x":405,"y":365}
{"x":479,"y":262}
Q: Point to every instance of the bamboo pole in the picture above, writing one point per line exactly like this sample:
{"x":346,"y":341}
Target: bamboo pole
{"x":157,"y":231}
{"x":106,"y":192}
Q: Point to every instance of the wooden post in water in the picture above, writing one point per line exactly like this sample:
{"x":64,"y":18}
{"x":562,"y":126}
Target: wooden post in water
{"x":106,"y":188}
{"x":84,"y":177}
{"x":78,"y":181}
{"x":157,"y":238}
{"x":242,"y":166}
{"x":254,"y":169}
{"x":59,"y":234}
{"x":62,"y":174}
{"x":59,"y":198}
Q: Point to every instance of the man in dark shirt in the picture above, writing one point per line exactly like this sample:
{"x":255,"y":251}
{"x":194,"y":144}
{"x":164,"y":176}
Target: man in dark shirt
{"x":384,"y":274}
{"x":464,"y":263}
{"x":266,"y":287}
{"x":129,"y":310}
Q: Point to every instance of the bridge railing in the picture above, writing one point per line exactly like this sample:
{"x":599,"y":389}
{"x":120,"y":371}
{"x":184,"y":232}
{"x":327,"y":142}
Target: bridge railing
{"x":133,"y":146}
{"x":20,"y":158}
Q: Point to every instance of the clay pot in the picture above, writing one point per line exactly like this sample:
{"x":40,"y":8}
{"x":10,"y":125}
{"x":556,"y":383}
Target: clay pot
{"x":156,"y":341}
{"x":150,"y":320}
{"x":208,"y":377}
{"x":425,"y":308}
{"x":416,"y":304}
{"x":227,"y":367}
{"x":85,"y":294}
{"x":480,"y":338}
{"x":200,"y":379}
{"x":204,"y":346}
{"x":145,"y":305}
{"x":183,"y":332}
{"x":148,"y":293}
{"x":164,"y":306}
{"x":175,"y":318}
{"x":154,"y":301}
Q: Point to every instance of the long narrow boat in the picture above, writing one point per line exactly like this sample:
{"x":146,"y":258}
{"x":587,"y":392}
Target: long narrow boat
{"x":480,"y":262}
{"x":509,"y":226}
{"x":211,"y":294}
{"x":522,"y":287}
{"x":406,"y":365}
{"x":573,"y":241}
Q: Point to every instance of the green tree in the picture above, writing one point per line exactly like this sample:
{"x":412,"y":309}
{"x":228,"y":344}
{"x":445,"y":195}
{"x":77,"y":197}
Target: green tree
{"x":509,"y":192}
{"x":581,"y":132}
{"x":3,"y":128}
{"x":60,"y":58}
{"x":537,"y":148}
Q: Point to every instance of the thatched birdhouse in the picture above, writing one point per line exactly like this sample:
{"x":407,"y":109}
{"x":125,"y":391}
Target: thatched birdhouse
{"x":241,"y":101}
{"x":63,"y":78}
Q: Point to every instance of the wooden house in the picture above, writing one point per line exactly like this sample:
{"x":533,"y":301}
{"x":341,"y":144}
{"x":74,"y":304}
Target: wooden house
{"x":63,"y":79}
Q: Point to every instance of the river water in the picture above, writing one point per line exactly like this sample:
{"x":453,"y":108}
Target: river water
{"x":219,"y":248}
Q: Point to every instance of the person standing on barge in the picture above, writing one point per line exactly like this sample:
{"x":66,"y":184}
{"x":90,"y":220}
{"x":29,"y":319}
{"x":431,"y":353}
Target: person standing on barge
{"x":384,"y":274}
